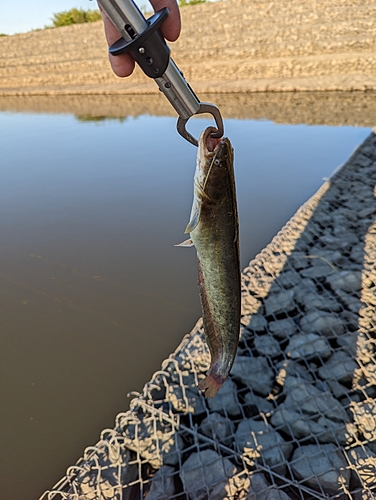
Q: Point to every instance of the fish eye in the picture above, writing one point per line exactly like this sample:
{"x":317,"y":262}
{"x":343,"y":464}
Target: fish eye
{"x":216,"y":162}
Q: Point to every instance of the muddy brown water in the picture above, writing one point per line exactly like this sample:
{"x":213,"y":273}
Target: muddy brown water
{"x":94,"y":295}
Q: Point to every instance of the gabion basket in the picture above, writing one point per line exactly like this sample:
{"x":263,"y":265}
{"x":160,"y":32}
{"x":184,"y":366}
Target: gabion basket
{"x":297,"y":417}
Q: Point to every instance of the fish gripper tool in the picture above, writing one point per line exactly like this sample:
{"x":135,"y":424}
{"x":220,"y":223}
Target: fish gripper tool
{"x":142,"y":39}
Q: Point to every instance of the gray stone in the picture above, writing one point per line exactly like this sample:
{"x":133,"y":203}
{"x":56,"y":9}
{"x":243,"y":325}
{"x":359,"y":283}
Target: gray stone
{"x":349,"y":342}
{"x":277,"y":303}
{"x":349,"y":281}
{"x":339,"y":367}
{"x":256,"y":405}
{"x":162,"y":485}
{"x":254,"y":372}
{"x":313,"y":300}
{"x":352,"y":303}
{"x":267,"y":345}
{"x":259,"y":441}
{"x":320,"y":270}
{"x":357,"y":253}
{"x":226,"y":400}
{"x":304,"y":396}
{"x":364,"y":463}
{"x":156,"y":442}
{"x":364,"y":414}
{"x":366,"y":212}
{"x":321,"y":322}
{"x":203,"y":471}
{"x":298,"y":260}
{"x":300,"y":425}
{"x":218,"y":427}
{"x":258,"y":323}
{"x":323,"y":466}
{"x":308,"y":344}
{"x":283,"y":328}
{"x":260,"y":489}
{"x":289,"y":367}
{"x":337,"y":389}
{"x":294,"y":424}
{"x":185,"y":401}
{"x":288,"y":279}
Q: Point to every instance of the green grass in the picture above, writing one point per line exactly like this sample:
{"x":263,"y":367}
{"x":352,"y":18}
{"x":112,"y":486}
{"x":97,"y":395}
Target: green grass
{"x":74,"y":16}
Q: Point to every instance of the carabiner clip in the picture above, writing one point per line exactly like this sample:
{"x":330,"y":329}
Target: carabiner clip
{"x":205,"y":107}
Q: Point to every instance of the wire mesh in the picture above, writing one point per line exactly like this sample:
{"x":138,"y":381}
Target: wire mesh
{"x":297,"y":417}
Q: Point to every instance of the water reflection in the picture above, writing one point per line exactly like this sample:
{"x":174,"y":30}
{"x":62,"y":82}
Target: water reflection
{"x":93,"y":292}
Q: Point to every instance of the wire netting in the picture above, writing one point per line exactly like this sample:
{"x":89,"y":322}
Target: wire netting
{"x":297,"y":417}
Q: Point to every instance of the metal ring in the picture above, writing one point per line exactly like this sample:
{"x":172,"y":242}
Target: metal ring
{"x":204,"y":108}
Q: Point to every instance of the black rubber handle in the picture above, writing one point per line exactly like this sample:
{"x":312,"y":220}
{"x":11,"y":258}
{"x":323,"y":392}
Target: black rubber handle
{"x":149,"y":48}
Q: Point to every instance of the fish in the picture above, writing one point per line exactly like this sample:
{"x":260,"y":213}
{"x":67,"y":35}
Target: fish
{"x":214,"y":232}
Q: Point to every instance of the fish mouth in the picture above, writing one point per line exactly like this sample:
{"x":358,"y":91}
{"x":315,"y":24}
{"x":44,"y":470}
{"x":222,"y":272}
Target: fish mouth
{"x":210,"y":143}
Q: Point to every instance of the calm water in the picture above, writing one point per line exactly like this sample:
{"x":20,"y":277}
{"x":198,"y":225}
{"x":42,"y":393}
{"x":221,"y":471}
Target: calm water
{"x":93,"y":293}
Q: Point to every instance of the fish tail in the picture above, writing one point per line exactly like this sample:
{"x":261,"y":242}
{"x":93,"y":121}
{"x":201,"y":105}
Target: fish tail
{"x":211,"y":385}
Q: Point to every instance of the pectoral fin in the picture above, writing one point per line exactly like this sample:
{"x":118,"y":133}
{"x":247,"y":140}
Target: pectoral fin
{"x":192,"y":224}
{"x":186,"y":243}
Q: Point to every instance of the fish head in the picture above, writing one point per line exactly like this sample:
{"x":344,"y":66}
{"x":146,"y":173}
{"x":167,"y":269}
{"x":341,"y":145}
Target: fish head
{"x":214,"y":163}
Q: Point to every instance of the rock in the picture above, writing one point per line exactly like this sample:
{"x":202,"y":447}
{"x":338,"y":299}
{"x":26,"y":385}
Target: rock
{"x":364,"y":463}
{"x":313,"y":300}
{"x":321,"y":322}
{"x":259,"y":441}
{"x":254,"y":405}
{"x":349,"y":342}
{"x":267,"y":345}
{"x":90,"y":485}
{"x":364,"y":414}
{"x":299,"y":425}
{"x":203,"y":471}
{"x":254,"y":372}
{"x":162,"y":485}
{"x":323,"y":466}
{"x":289,"y":367}
{"x":366,"y":212}
{"x":294,"y":424}
{"x":226,"y":400}
{"x":218,"y":428}
{"x":337,"y":389}
{"x":339,"y":367}
{"x":156,"y":442}
{"x":187,"y":401}
{"x":357,"y":253}
{"x":308,"y":344}
{"x":304,"y":396}
{"x":281,"y":302}
{"x":320,"y":270}
{"x":349,"y":281}
{"x":260,"y":489}
{"x":250,"y":305}
{"x":288,"y":279}
{"x":258,"y":323}
{"x":298,"y":260}
{"x":283,"y":328}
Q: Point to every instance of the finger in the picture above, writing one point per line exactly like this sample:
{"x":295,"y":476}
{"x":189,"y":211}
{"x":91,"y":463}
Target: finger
{"x":171,"y":27}
{"x":122,"y":65}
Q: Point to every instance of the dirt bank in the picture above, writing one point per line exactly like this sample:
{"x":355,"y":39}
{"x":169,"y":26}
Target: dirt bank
{"x":228,"y":46}
{"x":312,"y":108}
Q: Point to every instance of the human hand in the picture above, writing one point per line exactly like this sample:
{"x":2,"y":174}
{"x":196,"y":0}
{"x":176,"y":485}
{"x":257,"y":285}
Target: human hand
{"x":123,"y":65}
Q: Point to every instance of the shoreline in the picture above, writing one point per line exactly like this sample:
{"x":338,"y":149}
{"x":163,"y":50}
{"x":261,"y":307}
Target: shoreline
{"x":311,"y":108}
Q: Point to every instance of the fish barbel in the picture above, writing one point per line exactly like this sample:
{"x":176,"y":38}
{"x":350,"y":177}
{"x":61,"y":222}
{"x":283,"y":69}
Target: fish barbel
{"x":214,"y":231}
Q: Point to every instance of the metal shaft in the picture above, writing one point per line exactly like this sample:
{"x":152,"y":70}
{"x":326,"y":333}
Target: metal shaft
{"x":125,"y":13}
{"x":122,"y":12}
